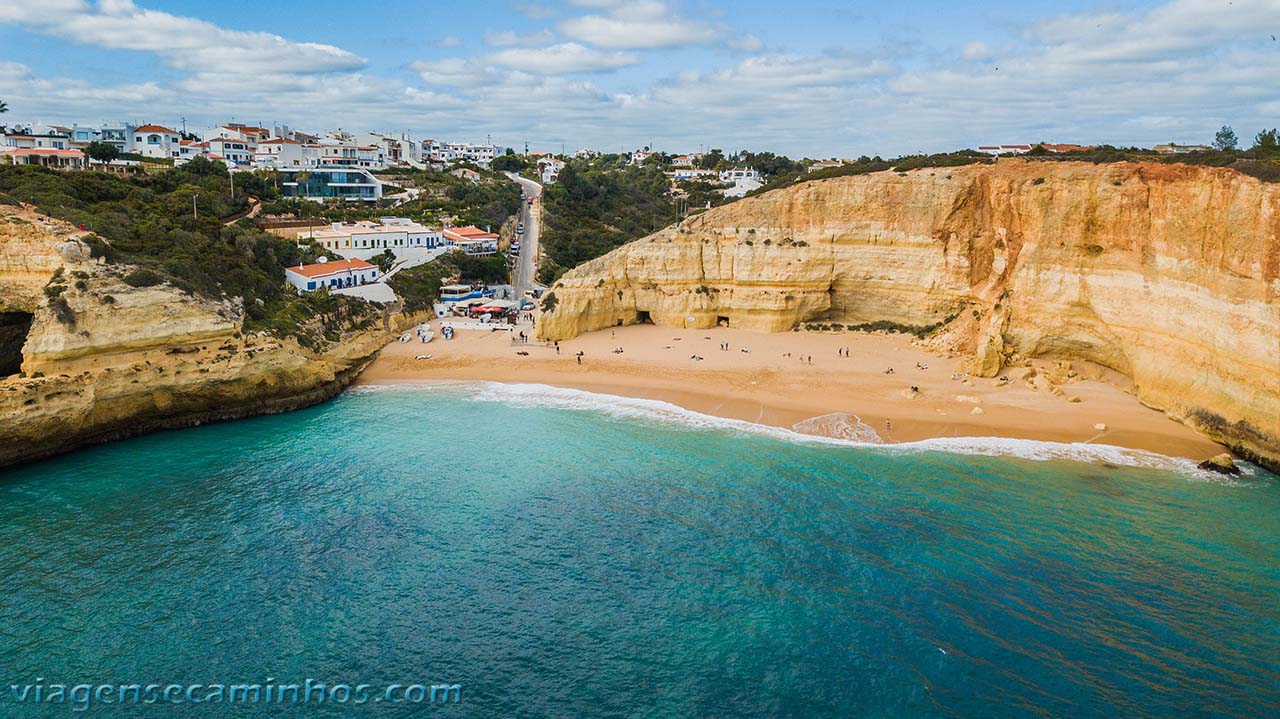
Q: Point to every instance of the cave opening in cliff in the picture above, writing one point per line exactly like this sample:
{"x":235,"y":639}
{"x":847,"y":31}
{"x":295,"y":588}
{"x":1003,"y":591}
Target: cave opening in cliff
{"x":643,"y":318}
{"x":14,"y":327}
{"x":722,"y":321}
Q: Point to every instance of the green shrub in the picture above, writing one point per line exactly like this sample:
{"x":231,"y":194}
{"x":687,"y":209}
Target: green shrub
{"x":143,"y":277}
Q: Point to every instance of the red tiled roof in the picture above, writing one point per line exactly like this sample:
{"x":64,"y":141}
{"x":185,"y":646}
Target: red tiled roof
{"x":155,"y":128}
{"x":329,"y":268}
{"x":279,"y":141}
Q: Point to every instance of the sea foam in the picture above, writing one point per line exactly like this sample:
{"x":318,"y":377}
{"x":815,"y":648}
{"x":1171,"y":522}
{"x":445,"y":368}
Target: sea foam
{"x":847,"y":428}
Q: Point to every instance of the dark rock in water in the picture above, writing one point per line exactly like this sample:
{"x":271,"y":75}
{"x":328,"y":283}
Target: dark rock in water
{"x":1222,"y":464}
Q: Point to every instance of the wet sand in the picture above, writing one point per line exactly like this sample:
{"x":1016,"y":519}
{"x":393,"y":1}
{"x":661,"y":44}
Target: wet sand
{"x":770,"y":384}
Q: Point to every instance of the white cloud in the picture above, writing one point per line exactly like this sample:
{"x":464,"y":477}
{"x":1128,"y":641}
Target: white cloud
{"x":976,"y":51}
{"x":455,"y":71}
{"x":535,"y":11}
{"x":181,"y":42}
{"x":449,"y":41}
{"x":642,"y":24}
{"x":1175,"y":72}
{"x":515,"y":39}
{"x":562,"y":58}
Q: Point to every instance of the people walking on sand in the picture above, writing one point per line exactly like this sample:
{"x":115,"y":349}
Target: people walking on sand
{"x":579,"y":356}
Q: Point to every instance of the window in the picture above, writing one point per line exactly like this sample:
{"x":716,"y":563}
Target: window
{"x":311,"y":285}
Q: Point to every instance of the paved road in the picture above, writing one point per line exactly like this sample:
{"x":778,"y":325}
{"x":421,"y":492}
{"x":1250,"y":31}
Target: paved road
{"x":529,"y":215}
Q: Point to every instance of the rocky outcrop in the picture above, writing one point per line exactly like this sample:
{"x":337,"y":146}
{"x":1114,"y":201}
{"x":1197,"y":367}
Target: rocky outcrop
{"x":103,"y":360}
{"x":1169,"y":274}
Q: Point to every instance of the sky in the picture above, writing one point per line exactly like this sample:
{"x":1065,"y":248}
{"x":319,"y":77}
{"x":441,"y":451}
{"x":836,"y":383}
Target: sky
{"x":811,"y":78}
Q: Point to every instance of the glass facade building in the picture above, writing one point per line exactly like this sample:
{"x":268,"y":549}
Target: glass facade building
{"x":330,"y":183}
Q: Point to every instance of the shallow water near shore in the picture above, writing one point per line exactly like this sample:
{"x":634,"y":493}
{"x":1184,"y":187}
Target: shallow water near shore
{"x":562,"y":554}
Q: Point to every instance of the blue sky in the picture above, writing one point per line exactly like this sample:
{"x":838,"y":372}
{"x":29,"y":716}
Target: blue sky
{"x":811,"y":78}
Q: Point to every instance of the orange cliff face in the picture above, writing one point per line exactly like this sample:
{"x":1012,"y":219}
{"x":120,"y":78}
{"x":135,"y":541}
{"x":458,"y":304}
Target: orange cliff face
{"x":1169,"y":274}
{"x":102,"y":360}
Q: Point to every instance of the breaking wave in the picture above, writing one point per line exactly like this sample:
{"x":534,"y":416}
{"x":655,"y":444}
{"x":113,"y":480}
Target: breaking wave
{"x":838,"y":428}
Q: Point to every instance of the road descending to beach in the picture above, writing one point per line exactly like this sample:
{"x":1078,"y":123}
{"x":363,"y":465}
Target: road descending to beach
{"x":769,"y":379}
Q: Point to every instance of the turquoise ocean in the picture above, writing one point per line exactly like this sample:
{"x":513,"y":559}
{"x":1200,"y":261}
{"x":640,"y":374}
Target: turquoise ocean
{"x":560,"y":554}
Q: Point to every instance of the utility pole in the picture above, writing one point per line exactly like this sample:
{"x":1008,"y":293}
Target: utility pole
{"x":232,"y":176}
{"x":194,"y":216}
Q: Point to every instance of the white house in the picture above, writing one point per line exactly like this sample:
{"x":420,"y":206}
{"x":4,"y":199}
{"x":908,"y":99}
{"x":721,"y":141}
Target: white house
{"x":279,"y":152}
{"x":689,"y":173}
{"x":448,"y":153}
{"x":69,"y":159}
{"x":233,"y":149}
{"x":471,"y":240}
{"x":335,"y":275}
{"x":154,"y":141}
{"x":1004,"y":149}
{"x":639,"y":156}
{"x":549,"y":169}
{"x":186,"y":150}
{"x":41,"y":141}
{"x":740,"y":181}
{"x":248,"y":133}
{"x":363,"y":240}
{"x":121,"y":136}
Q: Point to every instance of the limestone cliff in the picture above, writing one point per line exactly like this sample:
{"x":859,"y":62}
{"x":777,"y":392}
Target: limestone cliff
{"x":103,"y":360}
{"x":1169,"y":274}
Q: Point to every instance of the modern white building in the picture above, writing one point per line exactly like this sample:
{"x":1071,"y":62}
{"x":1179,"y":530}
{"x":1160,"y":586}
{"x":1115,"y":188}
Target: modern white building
{"x":335,"y":275}
{"x":330,"y":183}
{"x":121,"y":136}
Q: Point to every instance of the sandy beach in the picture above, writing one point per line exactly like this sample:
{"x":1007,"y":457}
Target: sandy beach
{"x":769,"y":379}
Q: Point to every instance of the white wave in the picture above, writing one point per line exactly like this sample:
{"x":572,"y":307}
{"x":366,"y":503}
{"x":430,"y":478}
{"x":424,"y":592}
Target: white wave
{"x":841,"y":425}
{"x":539,"y":395}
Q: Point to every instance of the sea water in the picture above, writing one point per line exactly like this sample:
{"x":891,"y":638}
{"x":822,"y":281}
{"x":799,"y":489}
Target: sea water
{"x":557,"y":553}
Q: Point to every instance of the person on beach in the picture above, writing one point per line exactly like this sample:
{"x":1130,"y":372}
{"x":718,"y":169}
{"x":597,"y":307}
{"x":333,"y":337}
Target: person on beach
{"x":579,"y":356}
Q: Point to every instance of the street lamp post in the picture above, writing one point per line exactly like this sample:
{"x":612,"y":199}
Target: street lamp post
{"x":194,"y":216}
